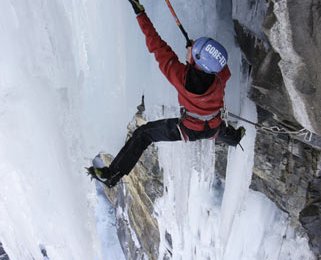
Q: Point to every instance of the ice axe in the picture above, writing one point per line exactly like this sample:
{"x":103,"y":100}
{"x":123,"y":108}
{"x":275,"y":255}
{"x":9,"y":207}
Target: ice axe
{"x":180,"y":26}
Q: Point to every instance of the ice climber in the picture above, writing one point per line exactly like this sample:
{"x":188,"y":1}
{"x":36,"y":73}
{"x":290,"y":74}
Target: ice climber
{"x":200,"y":84}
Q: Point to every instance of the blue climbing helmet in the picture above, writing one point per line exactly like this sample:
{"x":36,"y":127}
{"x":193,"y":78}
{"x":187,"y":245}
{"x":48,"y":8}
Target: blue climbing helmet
{"x":209,"y":55}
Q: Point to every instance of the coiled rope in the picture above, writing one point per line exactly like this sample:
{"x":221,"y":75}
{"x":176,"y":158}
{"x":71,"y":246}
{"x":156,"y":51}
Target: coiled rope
{"x":307,"y":134}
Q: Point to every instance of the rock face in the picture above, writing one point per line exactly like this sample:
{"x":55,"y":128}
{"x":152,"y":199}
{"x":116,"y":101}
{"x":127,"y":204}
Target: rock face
{"x":134,"y":202}
{"x":296,"y":37}
{"x":310,"y":215}
{"x":284,"y":50}
{"x":3,"y":254}
{"x":286,"y":57}
{"x":284,"y":169}
{"x":288,"y":172}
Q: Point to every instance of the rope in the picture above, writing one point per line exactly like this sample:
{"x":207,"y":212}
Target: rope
{"x":307,"y":135}
{"x":281,"y":130}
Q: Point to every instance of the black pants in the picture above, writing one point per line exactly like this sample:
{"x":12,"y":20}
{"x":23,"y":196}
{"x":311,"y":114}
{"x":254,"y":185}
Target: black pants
{"x":164,"y":130}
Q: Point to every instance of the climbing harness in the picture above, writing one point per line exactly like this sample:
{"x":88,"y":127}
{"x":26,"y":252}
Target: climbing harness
{"x":180,"y":26}
{"x":185,"y":114}
{"x":307,"y":135}
{"x":209,"y":117}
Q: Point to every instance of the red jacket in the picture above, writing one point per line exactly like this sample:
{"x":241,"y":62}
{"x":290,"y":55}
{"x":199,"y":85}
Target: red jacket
{"x":175,"y":71}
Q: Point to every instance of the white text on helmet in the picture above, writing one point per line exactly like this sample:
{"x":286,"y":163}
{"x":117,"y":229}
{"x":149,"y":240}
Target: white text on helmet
{"x":216,"y":54}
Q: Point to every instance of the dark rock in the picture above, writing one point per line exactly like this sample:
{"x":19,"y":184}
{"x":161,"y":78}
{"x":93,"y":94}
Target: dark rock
{"x":296,"y":36}
{"x":253,"y":48}
{"x":283,"y":170}
{"x":3,"y":254}
{"x":268,"y":90}
{"x":168,"y":238}
{"x":310,"y":216}
{"x":287,"y":169}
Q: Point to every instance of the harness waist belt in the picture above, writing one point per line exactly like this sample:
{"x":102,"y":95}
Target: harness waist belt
{"x":203,"y":117}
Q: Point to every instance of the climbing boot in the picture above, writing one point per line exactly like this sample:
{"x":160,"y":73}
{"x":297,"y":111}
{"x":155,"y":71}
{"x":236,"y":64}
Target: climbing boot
{"x":241,"y":132}
{"x":102,"y":173}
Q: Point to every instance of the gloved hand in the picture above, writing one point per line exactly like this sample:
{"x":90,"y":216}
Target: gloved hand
{"x":138,"y":8}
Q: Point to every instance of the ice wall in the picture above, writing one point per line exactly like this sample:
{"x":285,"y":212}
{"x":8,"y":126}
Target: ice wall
{"x":71,"y":75}
{"x":53,"y":56}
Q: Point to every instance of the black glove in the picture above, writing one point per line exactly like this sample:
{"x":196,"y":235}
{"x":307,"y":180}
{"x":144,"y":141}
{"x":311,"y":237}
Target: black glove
{"x":138,"y":8}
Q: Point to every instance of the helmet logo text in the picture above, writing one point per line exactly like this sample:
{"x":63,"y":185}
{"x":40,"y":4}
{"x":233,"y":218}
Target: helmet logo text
{"x":216,"y":54}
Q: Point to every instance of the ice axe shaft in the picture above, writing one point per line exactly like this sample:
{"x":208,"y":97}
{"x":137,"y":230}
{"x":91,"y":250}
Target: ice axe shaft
{"x":180,"y":26}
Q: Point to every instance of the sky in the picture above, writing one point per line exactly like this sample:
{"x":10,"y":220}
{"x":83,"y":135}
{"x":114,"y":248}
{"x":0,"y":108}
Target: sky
{"x":71,"y":76}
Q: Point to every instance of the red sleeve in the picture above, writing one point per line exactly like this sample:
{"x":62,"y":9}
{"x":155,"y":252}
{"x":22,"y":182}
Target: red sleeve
{"x":225,"y":74}
{"x":167,"y":59}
